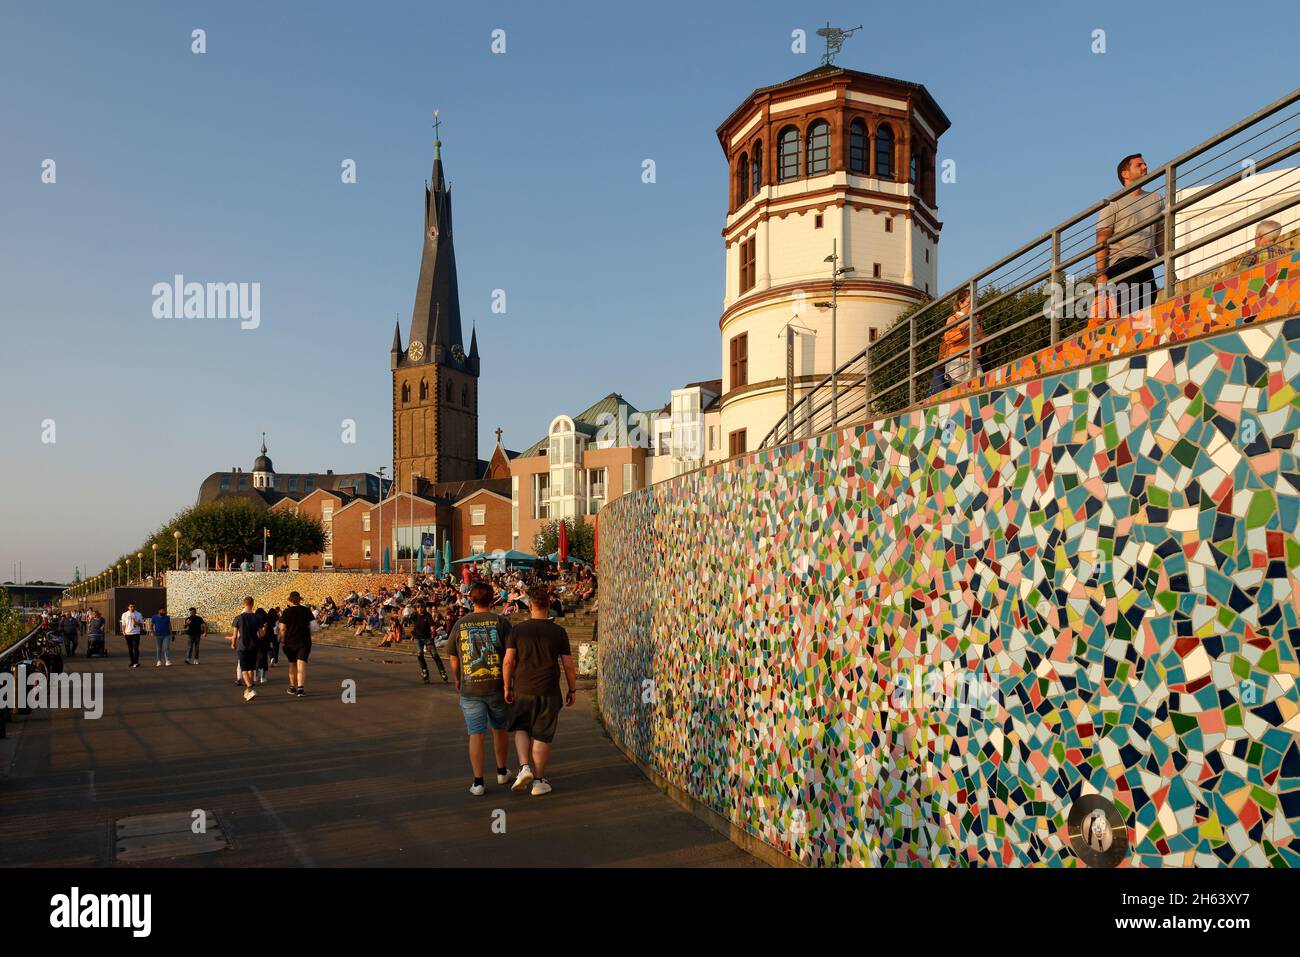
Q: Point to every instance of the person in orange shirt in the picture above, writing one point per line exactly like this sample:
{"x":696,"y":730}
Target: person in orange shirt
{"x":957,"y":364}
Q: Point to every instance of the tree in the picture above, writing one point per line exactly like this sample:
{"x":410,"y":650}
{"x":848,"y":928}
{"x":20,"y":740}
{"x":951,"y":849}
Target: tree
{"x":11,"y":623}
{"x":582,"y":539}
{"x":227,"y":528}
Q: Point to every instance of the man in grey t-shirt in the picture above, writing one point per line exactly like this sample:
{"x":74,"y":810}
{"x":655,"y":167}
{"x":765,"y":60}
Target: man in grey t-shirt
{"x":1136,"y":250}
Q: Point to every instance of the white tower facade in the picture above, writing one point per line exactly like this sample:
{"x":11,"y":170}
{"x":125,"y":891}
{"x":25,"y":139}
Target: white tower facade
{"x":834,"y":159}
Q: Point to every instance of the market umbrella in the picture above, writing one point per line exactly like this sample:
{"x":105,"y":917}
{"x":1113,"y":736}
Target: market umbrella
{"x":595,"y":541}
{"x":385,"y":559}
{"x":564,"y":543}
{"x":446,"y":556}
{"x":437,"y":563}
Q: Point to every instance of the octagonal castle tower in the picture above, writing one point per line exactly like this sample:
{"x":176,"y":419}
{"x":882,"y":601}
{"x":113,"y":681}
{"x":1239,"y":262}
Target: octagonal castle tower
{"x":831,"y":159}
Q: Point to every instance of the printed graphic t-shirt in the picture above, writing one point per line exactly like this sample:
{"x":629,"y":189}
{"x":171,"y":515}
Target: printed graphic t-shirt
{"x":479,"y":641}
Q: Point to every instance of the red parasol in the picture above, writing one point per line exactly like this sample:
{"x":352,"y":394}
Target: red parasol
{"x":564,"y":543}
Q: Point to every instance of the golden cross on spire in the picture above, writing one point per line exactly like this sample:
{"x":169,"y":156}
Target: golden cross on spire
{"x":436,"y":123}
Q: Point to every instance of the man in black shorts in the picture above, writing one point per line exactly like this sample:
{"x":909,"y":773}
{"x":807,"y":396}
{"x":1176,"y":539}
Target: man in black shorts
{"x":295,"y":632}
{"x":535,"y":651}
{"x":246,"y":639}
{"x":422,"y":632}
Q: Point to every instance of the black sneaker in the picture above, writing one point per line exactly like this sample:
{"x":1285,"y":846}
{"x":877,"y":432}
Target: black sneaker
{"x":292,"y":690}
{"x":425,"y":676}
{"x":301,"y":692}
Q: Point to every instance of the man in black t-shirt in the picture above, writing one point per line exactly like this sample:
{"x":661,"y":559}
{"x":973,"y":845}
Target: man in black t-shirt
{"x":246,"y":638}
{"x":422,"y":632}
{"x":535,"y":651}
{"x":295,"y":633}
{"x":195,"y":628}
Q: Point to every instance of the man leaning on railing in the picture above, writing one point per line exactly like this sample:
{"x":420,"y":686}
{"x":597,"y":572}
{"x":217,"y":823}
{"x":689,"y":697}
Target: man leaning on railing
{"x":1137,"y":249}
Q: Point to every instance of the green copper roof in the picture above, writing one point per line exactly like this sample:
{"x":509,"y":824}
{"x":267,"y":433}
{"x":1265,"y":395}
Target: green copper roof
{"x":589,"y":421}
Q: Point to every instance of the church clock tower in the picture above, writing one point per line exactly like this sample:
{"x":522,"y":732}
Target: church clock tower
{"x":435,"y":380}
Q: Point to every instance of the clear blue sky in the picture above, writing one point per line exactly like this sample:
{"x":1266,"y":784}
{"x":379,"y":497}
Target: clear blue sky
{"x":226,"y":167}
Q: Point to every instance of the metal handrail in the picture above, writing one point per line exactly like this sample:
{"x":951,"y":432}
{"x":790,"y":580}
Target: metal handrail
{"x":18,"y":645}
{"x":806,"y":409}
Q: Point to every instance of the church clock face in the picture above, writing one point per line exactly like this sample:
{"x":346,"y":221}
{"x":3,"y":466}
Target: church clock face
{"x":457,"y":352}
{"x":416,"y":351}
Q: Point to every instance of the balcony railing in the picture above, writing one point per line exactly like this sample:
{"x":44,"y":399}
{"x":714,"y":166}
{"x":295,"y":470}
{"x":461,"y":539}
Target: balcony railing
{"x":1214,"y":195}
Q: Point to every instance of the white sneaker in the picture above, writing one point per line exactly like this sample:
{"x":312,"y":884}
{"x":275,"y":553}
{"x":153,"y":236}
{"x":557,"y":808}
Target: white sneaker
{"x":504,"y":778}
{"x":524,"y":779}
{"x":157,"y":664}
{"x":249,"y":694}
{"x":541,"y":786}
{"x":169,"y":664}
{"x":477,"y":790}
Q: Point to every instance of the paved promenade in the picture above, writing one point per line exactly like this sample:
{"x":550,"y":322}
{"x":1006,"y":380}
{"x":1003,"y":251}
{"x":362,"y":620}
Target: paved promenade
{"x":316,"y":782}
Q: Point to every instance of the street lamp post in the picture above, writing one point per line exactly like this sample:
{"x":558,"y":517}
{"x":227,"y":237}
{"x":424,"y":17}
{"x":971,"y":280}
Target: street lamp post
{"x":155,"y":562}
{"x":139,"y":566}
{"x":836,"y":271}
{"x":411,"y":546}
{"x":177,"y":536}
{"x":382,"y":469}
{"x":266,"y":537}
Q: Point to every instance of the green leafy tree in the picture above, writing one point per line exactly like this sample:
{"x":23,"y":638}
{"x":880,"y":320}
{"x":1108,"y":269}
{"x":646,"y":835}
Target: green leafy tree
{"x":227,"y":528}
{"x":12,"y":626}
{"x":889,"y":354}
{"x":582,"y":539}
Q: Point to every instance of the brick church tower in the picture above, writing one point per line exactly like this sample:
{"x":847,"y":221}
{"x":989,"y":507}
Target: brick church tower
{"x":435,"y":381}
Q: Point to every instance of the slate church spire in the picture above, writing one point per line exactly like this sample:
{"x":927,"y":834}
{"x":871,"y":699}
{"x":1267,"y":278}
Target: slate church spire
{"x":435,"y":319}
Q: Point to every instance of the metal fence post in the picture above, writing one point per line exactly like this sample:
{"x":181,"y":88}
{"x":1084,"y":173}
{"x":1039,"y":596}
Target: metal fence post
{"x":1171,"y":197}
{"x":866,"y":383}
{"x":970,"y":325}
{"x":911,"y":360}
{"x":1056,"y":284}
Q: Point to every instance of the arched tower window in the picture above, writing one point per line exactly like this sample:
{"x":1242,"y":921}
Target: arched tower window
{"x":858,"y":157}
{"x":406,"y":392}
{"x":742,"y":179}
{"x":464,"y":396}
{"x":884,"y":152}
{"x":449,"y":390}
{"x":756,"y":172}
{"x":787,"y":155}
{"x":819,"y":148}
{"x":424,"y":389}
{"x":912,"y":176}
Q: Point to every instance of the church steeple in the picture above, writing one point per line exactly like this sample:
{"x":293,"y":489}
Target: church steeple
{"x":435,"y":319}
{"x":435,"y":383}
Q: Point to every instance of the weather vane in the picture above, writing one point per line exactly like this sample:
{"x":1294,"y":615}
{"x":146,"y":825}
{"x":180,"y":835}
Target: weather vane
{"x":835,"y":38}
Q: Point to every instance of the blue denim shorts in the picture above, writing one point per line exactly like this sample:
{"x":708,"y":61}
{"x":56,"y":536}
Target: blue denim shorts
{"x":479,"y":711}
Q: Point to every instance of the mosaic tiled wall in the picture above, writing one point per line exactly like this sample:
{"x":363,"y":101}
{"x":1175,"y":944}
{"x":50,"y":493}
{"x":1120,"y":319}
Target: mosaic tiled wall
{"x":218,"y":595}
{"x":1269,"y":291}
{"x":1106,"y":560}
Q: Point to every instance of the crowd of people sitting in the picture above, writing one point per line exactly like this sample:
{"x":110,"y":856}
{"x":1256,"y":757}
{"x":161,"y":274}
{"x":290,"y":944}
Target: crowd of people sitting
{"x":389,"y":612}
